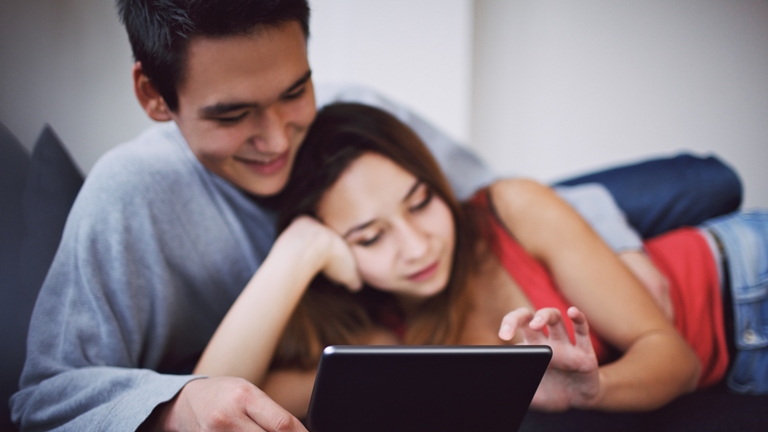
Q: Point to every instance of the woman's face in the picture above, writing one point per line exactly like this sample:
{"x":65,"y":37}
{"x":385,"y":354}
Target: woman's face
{"x":400,"y":232}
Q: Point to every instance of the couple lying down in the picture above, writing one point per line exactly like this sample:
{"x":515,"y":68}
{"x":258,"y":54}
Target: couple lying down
{"x":375,"y":249}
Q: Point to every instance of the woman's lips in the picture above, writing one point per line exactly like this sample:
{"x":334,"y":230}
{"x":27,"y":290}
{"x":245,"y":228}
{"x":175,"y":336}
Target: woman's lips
{"x":266,"y":168}
{"x":425,"y":273}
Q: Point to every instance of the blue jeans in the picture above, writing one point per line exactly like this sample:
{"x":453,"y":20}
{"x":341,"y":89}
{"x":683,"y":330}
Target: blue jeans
{"x":662,"y":194}
{"x":744,"y":237}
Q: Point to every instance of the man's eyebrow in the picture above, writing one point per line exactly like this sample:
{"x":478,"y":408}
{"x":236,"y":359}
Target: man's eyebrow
{"x":224,"y":108}
{"x":299,"y":82}
{"x":364,"y":225}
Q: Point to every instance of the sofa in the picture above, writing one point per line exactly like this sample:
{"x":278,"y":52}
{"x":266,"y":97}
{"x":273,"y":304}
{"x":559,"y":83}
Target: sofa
{"x":37,"y":191}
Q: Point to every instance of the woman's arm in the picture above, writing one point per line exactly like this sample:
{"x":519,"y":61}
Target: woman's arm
{"x":245,"y":341}
{"x":292,"y":388}
{"x":657,"y":364}
{"x":657,"y":285}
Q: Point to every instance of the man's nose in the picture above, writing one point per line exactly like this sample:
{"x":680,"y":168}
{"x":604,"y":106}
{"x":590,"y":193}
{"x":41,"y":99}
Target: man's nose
{"x":271,"y":132}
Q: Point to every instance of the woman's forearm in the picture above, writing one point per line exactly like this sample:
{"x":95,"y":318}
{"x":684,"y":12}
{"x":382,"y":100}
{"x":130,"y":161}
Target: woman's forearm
{"x":640,"y":380}
{"x":291,"y":389}
{"x":656,"y":365}
{"x":244,"y":342}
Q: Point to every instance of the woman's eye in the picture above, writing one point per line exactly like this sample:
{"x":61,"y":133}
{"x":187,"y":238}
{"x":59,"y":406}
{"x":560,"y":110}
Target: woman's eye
{"x":369,"y":241}
{"x":428,"y":194}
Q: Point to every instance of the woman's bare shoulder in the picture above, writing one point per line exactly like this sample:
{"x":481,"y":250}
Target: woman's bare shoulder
{"x":522,"y":200}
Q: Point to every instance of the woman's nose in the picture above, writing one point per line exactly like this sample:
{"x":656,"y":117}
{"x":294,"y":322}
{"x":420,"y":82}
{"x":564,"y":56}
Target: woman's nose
{"x":413,"y":242}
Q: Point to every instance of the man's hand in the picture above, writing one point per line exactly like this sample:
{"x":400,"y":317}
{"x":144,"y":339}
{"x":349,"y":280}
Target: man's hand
{"x":222,"y":404}
{"x":572,"y":379}
{"x":657,"y":285}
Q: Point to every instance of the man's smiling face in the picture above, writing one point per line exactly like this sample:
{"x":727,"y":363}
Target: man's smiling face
{"x":245,"y":104}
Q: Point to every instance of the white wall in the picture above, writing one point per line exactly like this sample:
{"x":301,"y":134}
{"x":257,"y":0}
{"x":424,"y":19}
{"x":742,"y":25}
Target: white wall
{"x":562,"y":86}
{"x":68,"y":63}
{"x":417,"y":52}
{"x":547,"y":89}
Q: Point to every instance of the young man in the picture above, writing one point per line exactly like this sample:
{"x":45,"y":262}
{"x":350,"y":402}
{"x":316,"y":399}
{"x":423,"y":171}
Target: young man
{"x":168,"y":228}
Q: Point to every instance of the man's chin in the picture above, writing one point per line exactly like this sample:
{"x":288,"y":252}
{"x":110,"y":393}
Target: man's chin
{"x":263,"y":188}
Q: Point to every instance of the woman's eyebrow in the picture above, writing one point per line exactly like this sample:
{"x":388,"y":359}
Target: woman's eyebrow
{"x":362,"y":226}
{"x":365,"y":225}
{"x":413,"y":189}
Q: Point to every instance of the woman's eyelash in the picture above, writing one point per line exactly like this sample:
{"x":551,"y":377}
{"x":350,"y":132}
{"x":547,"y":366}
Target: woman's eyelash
{"x":427,"y":198}
{"x":370,"y":241}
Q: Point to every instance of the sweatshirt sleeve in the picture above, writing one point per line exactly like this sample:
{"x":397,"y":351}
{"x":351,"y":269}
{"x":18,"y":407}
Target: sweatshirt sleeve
{"x":129,"y":302}
{"x":597,"y":206}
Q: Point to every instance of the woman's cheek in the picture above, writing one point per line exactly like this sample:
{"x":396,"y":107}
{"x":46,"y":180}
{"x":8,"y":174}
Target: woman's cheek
{"x":373,"y":270}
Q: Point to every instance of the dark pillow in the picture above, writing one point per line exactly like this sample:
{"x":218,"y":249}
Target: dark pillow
{"x":14,"y":167}
{"x":51,"y":185}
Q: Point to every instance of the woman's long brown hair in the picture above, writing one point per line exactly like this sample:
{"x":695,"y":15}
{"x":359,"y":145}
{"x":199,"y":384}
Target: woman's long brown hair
{"x":328,"y":314}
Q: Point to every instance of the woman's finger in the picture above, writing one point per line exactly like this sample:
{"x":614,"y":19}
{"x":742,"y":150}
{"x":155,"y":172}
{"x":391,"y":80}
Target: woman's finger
{"x":533,"y":333}
{"x":341,"y":266}
{"x":553,"y":320}
{"x":518,"y":318}
{"x":580,"y":329}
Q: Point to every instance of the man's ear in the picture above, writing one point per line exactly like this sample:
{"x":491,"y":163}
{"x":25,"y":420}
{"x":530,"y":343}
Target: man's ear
{"x":148,"y":96}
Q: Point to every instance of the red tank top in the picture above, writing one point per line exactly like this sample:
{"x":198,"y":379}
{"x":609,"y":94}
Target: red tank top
{"x":683,"y":256}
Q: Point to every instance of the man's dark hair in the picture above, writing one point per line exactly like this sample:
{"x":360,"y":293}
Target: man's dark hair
{"x":160,"y":30}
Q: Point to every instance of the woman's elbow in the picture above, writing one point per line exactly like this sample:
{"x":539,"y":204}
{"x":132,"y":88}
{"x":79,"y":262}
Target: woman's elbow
{"x":694,"y":373}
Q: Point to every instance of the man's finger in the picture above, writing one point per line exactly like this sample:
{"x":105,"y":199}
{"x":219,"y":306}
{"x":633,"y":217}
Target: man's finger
{"x":271,"y":417}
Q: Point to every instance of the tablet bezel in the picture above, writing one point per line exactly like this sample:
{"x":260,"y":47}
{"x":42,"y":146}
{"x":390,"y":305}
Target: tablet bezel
{"x":424,"y":388}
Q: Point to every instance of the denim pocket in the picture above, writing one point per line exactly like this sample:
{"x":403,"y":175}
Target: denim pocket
{"x":751,"y":318}
{"x":745,"y":238}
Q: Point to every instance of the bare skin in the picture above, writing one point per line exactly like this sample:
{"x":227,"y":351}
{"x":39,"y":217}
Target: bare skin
{"x":657,"y":285}
{"x":244,"y":107}
{"x":222,"y":404}
{"x":594,"y":280}
{"x":656,"y":365}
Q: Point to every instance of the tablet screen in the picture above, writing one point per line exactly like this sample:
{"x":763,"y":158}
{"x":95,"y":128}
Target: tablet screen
{"x":425,"y":388}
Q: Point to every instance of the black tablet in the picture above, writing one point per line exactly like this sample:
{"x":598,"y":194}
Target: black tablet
{"x":425,"y":388}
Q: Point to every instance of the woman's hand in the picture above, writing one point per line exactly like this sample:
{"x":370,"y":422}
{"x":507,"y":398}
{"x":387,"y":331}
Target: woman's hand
{"x":336,"y":261}
{"x":245,"y":341}
{"x":572,"y":379}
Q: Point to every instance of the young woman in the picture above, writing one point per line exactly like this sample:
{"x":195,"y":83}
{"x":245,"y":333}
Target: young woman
{"x":375,"y":249}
